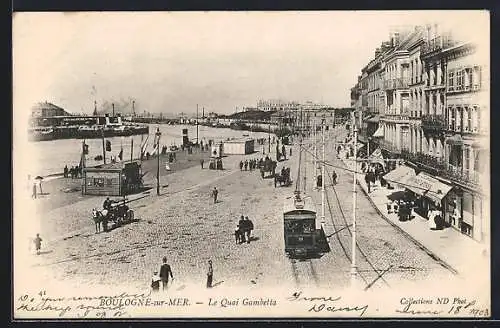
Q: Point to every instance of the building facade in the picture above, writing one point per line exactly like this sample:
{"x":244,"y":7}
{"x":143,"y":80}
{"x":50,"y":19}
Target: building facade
{"x":435,"y":117}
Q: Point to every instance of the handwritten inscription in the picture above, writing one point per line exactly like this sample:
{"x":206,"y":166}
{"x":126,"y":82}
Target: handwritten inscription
{"x":331,"y":304}
{"x":102,"y":306}
{"x":440,"y":306}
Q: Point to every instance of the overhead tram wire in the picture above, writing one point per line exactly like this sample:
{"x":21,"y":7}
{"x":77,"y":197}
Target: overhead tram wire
{"x":327,"y":163}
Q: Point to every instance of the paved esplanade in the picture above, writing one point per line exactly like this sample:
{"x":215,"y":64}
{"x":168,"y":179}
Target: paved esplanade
{"x":184,"y":225}
{"x":384,"y":257}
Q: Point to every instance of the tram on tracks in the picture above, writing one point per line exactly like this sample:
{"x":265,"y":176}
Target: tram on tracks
{"x":299,"y":223}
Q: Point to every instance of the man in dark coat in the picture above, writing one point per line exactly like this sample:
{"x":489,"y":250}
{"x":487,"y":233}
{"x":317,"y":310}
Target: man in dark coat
{"x":215,"y":193}
{"x":165,"y":273}
{"x":210,"y":274}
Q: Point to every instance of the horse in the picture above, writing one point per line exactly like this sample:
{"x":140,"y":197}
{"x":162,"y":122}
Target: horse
{"x":100,"y":217}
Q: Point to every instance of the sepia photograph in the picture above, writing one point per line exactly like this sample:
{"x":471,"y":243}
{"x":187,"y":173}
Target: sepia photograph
{"x":251,"y":164}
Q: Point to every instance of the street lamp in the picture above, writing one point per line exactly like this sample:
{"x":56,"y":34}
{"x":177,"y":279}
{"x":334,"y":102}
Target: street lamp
{"x":354,"y":271}
{"x":158,"y":135}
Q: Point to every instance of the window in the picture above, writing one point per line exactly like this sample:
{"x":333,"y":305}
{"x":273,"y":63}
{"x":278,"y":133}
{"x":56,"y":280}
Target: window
{"x":452,"y":118}
{"x":460,"y":80}
{"x":458,"y":125}
{"x":451,"y":77}
{"x":468,"y":127}
{"x":479,"y":127}
{"x":476,"y":78}
{"x":477,"y":160}
{"x":468,"y":84}
{"x":466,"y":160}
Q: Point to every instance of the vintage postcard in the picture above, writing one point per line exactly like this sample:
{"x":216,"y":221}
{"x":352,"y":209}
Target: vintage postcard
{"x":315,"y":164}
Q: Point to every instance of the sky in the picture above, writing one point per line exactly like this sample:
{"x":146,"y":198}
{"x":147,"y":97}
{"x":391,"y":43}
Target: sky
{"x":169,"y":62}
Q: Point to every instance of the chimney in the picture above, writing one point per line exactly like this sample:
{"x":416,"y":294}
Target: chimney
{"x":133,"y":108}
{"x":113,"y":104}
{"x":396,"y":38}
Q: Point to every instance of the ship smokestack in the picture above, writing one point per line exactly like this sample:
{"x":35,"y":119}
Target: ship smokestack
{"x":113,"y":105}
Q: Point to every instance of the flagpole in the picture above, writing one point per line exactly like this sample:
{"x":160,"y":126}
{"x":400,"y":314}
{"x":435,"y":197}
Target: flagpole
{"x":103,"y":146}
{"x":132,"y":150}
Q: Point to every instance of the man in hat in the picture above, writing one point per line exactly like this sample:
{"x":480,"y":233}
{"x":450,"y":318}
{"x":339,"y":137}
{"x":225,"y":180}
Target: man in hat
{"x":210,"y":274}
{"x":215,"y":193}
{"x":165,"y":273}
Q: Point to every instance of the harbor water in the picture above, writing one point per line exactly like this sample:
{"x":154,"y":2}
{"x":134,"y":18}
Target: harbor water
{"x":50,"y":157}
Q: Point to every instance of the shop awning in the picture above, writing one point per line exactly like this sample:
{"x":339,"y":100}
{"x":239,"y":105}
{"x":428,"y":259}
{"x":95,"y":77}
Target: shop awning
{"x":455,"y":140}
{"x":427,"y":186}
{"x":400,"y":175}
{"x":377,"y":157}
{"x":379,"y":133}
{"x":373,"y":119}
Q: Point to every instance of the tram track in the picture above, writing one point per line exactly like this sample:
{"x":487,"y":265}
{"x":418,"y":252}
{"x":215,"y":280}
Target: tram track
{"x":304,"y":273}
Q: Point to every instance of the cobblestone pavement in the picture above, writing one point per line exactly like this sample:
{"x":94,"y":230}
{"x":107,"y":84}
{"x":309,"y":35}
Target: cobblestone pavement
{"x":184,"y":225}
{"x":384,"y":256}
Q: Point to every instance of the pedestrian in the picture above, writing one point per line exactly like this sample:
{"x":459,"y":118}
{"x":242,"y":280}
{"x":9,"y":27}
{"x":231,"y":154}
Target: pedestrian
{"x":334,"y":177}
{"x":201,"y":163}
{"x":33,"y":195}
{"x":210,"y":274}
{"x":368,"y":179}
{"x":241,"y":165}
{"x":165,"y":273}
{"x":155,"y":282}
{"x":65,"y":171}
{"x":241,"y":227}
{"x":246,"y":165}
{"x":290,"y":151}
{"x":283,"y":151}
{"x":215,"y":193}
{"x":248,"y":229}
{"x":38,"y":243}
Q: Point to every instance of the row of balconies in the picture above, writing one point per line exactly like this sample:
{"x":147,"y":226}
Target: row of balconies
{"x":459,"y":174}
{"x":437,"y":44}
{"x":397,"y":83}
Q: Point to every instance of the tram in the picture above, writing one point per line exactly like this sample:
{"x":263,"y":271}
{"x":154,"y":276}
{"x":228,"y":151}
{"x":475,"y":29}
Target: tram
{"x":299,"y":223}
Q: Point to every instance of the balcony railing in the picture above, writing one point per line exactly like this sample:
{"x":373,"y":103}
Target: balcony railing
{"x":437,"y":44}
{"x":424,"y":159}
{"x":396,"y":117}
{"x":470,"y":177}
{"x":398,"y":83}
{"x":448,"y":171}
{"x":433,"y":122}
{"x":384,"y":144}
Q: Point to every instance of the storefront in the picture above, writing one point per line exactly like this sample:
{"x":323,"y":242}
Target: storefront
{"x":466,"y":212}
{"x":399,"y":176}
{"x":431,"y":194}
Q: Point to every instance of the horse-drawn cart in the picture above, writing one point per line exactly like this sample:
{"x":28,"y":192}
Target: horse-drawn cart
{"x":268,"y":166}
{"x":117,"y":214}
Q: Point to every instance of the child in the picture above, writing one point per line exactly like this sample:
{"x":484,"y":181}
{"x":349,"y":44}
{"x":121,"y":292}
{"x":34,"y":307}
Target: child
{"x":155,"y":282}
{"x":38,"y":243}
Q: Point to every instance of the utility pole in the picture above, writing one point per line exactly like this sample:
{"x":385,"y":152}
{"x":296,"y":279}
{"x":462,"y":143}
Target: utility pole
{"x":158,"y":135}
{"x":103,"y":146}
{"x":197,"y":124}
{"x":269,"y":138}
{"x":315,"y":161}
{"x":353,"y":256}
{"x":323,"y":177}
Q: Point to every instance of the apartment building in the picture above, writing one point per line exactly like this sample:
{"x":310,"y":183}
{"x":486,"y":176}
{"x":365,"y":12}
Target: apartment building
{"x":435,"y":116}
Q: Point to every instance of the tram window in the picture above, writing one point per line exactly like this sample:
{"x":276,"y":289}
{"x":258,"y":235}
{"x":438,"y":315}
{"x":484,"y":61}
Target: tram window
{"x":308,"y":227}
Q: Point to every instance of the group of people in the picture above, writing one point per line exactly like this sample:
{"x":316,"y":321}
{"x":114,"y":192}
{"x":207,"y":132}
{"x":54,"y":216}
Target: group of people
{"x":215,"y":164}
{"x":74,"y":172}
{"x":243,"y":230}
{"x":250,"y":164}
{"x":165,"y":276}
{"x":373,"y":172}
